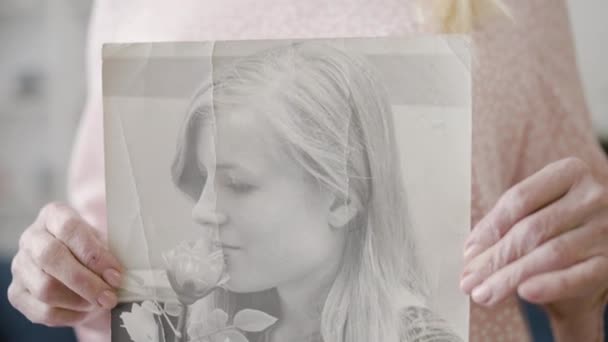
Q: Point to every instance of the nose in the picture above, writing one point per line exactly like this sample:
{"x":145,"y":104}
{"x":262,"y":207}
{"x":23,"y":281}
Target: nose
{"x":205,"y":211}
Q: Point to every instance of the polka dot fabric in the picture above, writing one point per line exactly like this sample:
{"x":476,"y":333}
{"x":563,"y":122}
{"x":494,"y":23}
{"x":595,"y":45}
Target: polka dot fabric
{"x":528,"y":106}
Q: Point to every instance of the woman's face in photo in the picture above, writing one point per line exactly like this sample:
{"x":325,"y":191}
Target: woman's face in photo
{"x":272,"y":216}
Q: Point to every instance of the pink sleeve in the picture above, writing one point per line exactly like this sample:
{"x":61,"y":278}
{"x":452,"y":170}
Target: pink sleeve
{"x":86,"y":189}
{"x":529,"y":106}
{"x":86,"y":182}
{"x":558,"y":123}
{"x":529,"y":110}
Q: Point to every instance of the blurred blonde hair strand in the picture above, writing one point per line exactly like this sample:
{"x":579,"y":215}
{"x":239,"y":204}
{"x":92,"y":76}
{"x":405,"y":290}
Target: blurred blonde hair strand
{"x":463,"y":16}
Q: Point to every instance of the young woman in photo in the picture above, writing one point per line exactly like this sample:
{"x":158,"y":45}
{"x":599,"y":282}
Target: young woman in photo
{"x":290,"y":153}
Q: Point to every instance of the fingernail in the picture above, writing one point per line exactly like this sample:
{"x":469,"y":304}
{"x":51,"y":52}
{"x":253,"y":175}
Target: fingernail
{"x":113,"y":277}
{"x":107,"y":300}
{"x":481,"y":294}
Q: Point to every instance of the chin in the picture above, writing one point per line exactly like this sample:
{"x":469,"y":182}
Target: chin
{"x":237,"y":285}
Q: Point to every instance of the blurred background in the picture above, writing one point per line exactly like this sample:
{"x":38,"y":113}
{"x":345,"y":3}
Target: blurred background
{"x":42,"y":92}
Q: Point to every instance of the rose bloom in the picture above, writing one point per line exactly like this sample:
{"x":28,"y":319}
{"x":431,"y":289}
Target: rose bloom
{"x":194,"y":270}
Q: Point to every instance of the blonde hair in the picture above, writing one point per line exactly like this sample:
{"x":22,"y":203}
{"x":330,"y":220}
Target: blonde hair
{"x":338,"y":125}
{"x":462,"y":16}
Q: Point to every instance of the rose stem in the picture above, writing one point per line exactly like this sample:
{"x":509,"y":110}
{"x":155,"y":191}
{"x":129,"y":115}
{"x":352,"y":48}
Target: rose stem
{"x":181,"y":323}
{"x":167,"y":318}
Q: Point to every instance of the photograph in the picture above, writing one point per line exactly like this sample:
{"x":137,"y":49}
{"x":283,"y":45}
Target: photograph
{"x":289,"y":190}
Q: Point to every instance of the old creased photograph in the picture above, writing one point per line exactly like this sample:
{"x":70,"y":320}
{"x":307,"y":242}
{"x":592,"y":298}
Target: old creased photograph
{"x":289,"y":190}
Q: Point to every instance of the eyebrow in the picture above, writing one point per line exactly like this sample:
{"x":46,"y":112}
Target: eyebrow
{"x":230,"y":166}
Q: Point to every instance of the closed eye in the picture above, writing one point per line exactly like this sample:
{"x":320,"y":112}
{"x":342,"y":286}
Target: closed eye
{"x":241,"y":187}
{"x":237,"y":185}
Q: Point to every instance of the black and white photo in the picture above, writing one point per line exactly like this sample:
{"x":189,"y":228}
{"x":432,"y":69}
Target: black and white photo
{"x":301,"y":190}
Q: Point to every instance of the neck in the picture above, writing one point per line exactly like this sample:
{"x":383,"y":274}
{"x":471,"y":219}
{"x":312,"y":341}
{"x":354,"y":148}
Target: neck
{"x":302,"y":304}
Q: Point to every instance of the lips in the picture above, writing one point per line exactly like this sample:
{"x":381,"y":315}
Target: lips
{"x":226,"y":245}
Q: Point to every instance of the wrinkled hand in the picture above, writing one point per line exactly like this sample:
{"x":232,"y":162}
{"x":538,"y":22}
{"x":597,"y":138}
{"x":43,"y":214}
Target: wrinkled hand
{"x":547,"y":239}
{"x":62,"y":273}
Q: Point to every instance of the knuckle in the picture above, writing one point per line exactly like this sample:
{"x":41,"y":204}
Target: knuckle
{"x":592,"y":198}
{"x":576,"y":164}
{"x":507,"y":281}
{"x":513,"y":278}
{"x":69,"y":227}
{"x":15,"y":265}
{"x":92,"y":256}
{"x":11,"y":294}
{"x":555,"y":250}
{"x":490,"y":232}
{"x":521,"y":243}
{"x":504,"y":255}
{"x":595,"y":196}
{"x":559,"y":252}
{"x":497,"y":260}
{"x":88,"y":286}
{"x":46,"y":289}
{"x":513,"y":195}
{"x":536,"y":232}
{"x":25,"y":239}
{"x":577,"y":169}
{"x":51,"y":208}
{"x":515,"y":201}
{"x":489,"y":267}
{"x":493,"y":233}
{"x":80,"y":278}
{"x":52,"y":251}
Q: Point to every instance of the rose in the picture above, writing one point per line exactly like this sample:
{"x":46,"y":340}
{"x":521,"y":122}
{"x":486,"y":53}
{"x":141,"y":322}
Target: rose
{"x":194,"y":270}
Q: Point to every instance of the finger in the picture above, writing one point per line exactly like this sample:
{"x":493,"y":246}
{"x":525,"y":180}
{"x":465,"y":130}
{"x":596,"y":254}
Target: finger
{"x":54,"y":258}
{"x":67,"y":226}
{"x":529,"y":233}
{"x":45,"y":288}
{"x":39,"y":312}
{"x":556,"y":254}
{"x":581,"y":279}
{"x":533,"y":193}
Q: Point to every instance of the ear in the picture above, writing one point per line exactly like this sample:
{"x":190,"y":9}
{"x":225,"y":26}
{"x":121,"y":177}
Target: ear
{"x":343,"y":210}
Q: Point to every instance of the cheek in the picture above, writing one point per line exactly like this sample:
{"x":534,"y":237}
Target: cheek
{"x":276,"y":210}
{"x":285,"y":235}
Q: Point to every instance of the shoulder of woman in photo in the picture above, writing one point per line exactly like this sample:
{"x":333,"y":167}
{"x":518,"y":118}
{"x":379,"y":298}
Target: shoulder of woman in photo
{"x":421,"y":324}
{"x":418,"y":323}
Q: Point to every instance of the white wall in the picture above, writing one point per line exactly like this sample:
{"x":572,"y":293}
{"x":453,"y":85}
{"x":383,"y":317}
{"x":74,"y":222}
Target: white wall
{"x":41,"y":97}
{"x":590,"y":28}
